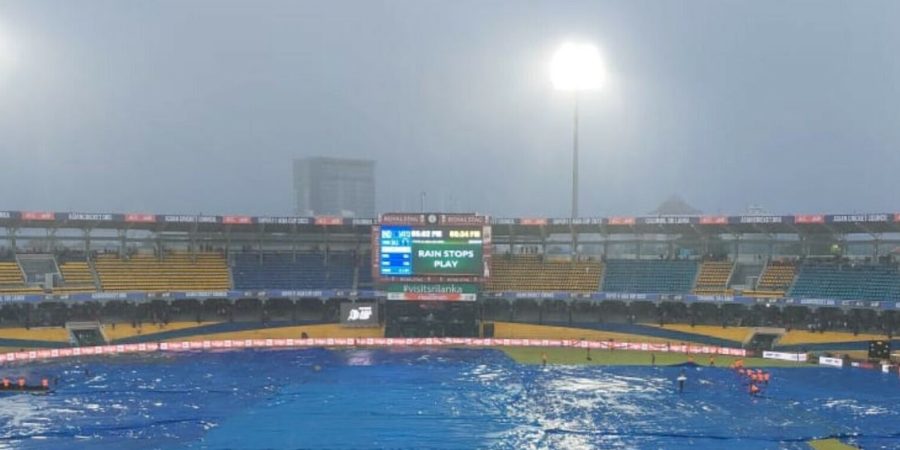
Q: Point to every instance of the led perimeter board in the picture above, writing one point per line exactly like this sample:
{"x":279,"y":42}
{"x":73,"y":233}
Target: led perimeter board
{"x":431,"y":247}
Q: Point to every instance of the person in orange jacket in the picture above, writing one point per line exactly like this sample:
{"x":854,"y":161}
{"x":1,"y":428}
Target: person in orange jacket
{"x":754,"y":389}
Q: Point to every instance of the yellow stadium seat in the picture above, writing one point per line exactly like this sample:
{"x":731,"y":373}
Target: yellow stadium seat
{"x":176,"y":271}
{"x":533,"y":273}
{"x":713,"y":278}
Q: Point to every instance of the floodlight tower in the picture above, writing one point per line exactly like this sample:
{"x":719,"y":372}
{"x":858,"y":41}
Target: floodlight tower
{"x":576,"y":67}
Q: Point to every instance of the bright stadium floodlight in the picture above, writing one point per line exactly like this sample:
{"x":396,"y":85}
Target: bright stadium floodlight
{"x":576,"y":67}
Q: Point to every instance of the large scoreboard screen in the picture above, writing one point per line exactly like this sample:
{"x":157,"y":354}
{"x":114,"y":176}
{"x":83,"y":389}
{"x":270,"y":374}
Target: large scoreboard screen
{"x":413,"y":251}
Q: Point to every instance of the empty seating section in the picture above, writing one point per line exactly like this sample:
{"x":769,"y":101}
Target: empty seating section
{"x":77,"y":277}
{"x":649,"y":276}
{"x":713,"y":277}
{"x":208,"y":271}
{"x":10,"y":274}
{"x":341,"y":269}
{"x":12,"y":281}
{"x":364,"y":280}
{"x":532,"y":273}
{"x":848,"y":282}
{"x":293,"y":271}
{"x":177,"y":271}
{"x":775,"y":280}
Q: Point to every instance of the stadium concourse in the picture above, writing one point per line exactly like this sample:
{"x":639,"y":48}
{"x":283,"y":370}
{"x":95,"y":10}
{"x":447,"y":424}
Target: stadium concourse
{"x":797,"y":283}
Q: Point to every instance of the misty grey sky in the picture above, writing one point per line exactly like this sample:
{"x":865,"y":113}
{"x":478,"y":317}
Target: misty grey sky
{"x":199,"y":106}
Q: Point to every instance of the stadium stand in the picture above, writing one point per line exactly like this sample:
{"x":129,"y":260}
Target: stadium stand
{"x":37,"y":321}
{"x":10,"y":274}
{"x":12,"y":281}
{"x":293,"y":271}
{"x":76,"y":277}
{"x":176,"y":271}
{"x":713,"y":277}
{"x":341,"y":270}
{"x":534,"y":273}
{"x":847,"y":282}
{"x":775,"y":280}
{"x":655,"y":276}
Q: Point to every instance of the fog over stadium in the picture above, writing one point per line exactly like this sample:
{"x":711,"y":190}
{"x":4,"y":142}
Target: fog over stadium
{"x":200,"y":106}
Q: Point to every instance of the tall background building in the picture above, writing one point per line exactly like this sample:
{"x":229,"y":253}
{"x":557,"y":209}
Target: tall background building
{"x":334,"y":186}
